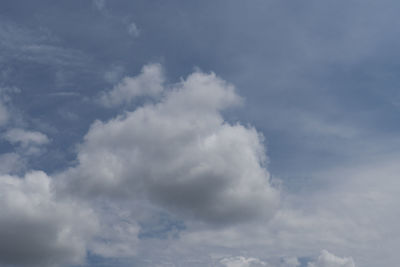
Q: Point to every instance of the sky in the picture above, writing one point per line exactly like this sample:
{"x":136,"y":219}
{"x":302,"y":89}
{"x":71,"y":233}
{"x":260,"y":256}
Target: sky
{"x":222,"y":133}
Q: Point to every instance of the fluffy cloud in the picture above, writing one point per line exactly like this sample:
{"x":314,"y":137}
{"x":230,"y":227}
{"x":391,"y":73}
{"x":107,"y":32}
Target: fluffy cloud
{"x":179,"y":153}
{"x":148,"y":83}
{"x":36,"y":228}
{"x":242,"y":262}
{"x":327,"y":259}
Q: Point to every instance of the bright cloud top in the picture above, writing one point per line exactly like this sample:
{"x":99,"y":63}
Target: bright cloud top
{"x":148,"y":83}
{"x":179,"y":153}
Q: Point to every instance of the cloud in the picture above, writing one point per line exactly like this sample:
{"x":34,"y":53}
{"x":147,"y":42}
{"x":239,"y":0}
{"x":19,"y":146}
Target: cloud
{"x":327,"y":259}
{"x":133,"y":30}
{"x":4,"y":101}
{"x":290,"y":262}
{"x":25,"y":138}
{"x":242,"y":262}
{"x":117,"y":238}
{"x":99,"y":4}
{"x":3,"y":114}
{"x":11,"y":163}
{"x":180,"y":154}
{"x":148,"y":83}
{"x":36,"y":228}
{"x":114,"y":74}
{"x":20,"y":44}
{"x":29,"y":142}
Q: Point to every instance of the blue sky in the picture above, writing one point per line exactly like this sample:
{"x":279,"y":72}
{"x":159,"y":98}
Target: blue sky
{"x":199,"y":133}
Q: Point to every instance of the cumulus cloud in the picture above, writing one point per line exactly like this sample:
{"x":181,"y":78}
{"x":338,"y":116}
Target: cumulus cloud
{"x":179,"y":153}
{"x":327,"y":259}
{"x":148,"y":83}
{"x":36,"y":228}
{"x":242,"y":262}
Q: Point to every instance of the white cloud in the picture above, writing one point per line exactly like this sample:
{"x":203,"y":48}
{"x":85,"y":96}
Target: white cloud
{"x":148,"y":83}
{"x":180,"y":154}
{"x":29,"y":142}
{"x":133,"y":30}
{"x":36,"y":228}
{"x":242,"y":262}
{"x":327,"y":259}
{"x":25,"y":138}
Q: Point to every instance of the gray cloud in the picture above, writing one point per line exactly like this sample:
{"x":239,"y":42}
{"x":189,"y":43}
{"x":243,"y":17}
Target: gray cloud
{"x":179,"y":153}
{"x":38,"y":229}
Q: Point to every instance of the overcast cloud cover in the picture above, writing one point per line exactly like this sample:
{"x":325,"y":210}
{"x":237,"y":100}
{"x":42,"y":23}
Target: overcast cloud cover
{"x":199,"y":133}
